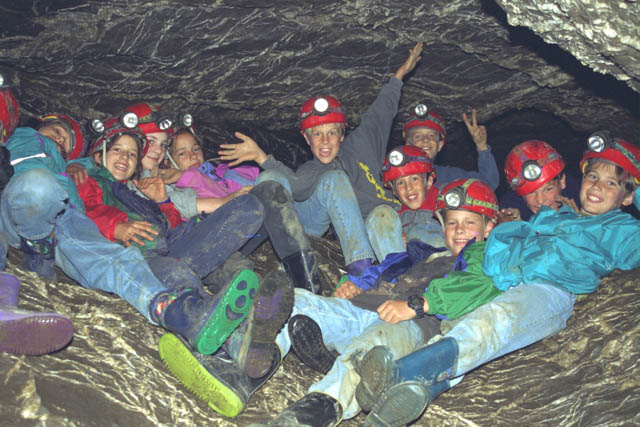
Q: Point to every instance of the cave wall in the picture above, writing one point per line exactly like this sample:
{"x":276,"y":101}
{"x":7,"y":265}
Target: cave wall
{"x":249,"y":65}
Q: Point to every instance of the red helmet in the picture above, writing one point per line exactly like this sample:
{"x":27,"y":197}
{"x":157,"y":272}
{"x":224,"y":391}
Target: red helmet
{"x":320,"y":110}
{"x":404,"y":161}
{"x":149,"y":118}
{"x":617,"y":151}
{"x":469,"y":194}
{"x":9,"y":113}
{"x":422,"y":118}
{"x":113,"y":128}
{"x":78,"y":143}
{"x":530,"y":165}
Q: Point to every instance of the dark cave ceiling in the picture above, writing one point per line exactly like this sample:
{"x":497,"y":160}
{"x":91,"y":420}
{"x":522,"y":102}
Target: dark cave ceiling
{"x":554,"y":70}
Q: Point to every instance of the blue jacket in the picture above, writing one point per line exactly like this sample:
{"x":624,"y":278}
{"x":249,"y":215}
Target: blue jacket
{"x":27,"y":142}
{"x":563,"y":249}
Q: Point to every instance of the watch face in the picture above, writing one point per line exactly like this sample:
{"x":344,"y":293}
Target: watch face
{"x":415,"y":301}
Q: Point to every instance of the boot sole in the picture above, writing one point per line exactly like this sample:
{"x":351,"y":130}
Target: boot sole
{"x":375,"y":377}
{"x":184,"y":366}
{"x":307,"y":343}
{"x":399,"y":405}
{"x":35,"y":335}
{"x":275,"y":297}
{"x":230,"y":311}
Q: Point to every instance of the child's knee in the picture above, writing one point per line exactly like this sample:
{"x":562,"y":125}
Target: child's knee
{"x":381,"y":216}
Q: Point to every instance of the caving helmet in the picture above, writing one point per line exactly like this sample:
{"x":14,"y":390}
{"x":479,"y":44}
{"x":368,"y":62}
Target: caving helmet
{"x":530,"y":165}
{"x":112,"y":129}
{"x":78,"y":142}
{"x":320,"y":110}
{"x":151,"y":119}
{"x":9,"y":111}
{"x":601,"y":145}
{"x":468,"y":194}
{"x":423,"y":118}
{"x":403,"y":161}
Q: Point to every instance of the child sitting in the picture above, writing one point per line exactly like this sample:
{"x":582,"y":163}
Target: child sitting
{"x":341,"y":185}
{"x":540,"y":266}
{"x":179,"y":254}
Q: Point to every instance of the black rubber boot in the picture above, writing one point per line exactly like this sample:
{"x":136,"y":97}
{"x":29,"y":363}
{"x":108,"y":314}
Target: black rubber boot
{"x":313,"y":410}
{"x":307,"y":343}
{"x":303,"y":270}
{"x":216,"y":379}
{"x":227,"y":271}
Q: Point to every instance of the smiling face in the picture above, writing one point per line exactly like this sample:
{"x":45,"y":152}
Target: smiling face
{"x":58,"y":134}
{"x":186,"y":151}
{"x":411,"y":190}
{"x":601,"y":190}
{"x":324,"y":141}
{"x":426,"y":139}
{"x":158,"y":143}
{"x":460,"y":226}
{"x":546,"y":195}
{"x":122,"y":158}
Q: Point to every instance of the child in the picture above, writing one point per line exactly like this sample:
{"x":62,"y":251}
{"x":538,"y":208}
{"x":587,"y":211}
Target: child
{"x":21,"y":331}
{"x":425,"y":129}
{"x":540,"y":265}
{"x":341,"y":185}
{"x":353,"y":326}
{"x":219,"y":184}
{"x":179,"y":254}
{"x":535,"y":173}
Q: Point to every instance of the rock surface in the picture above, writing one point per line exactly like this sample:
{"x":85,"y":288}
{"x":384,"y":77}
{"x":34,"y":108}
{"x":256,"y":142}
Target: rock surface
{"x":111,"y":373}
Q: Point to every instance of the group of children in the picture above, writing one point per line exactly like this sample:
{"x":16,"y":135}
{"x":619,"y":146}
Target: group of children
{"x":423,"y":250}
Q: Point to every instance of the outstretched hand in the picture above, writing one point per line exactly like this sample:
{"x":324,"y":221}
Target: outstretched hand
{"x":478,"y":133}
{"x":394,"y":311}
{"x":247,"y":150}
{"x":410,"y":63}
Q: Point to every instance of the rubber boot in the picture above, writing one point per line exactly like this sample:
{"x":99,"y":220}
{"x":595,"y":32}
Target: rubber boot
{"x":219,"y":277}
{"x":253,"y":345}
{"x":303,"y":269}
{"x":307,"y":343}
{"x":215,"y":379}
{"x":39,"y":256}
{"x":428,"y":365}
{"x":206,"y":322}
{"x":404,"y":403}
{"x":28,"y":332}
{"x":313,"y":410}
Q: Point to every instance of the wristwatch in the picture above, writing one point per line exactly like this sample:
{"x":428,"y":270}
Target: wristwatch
{"x":416,"y":302}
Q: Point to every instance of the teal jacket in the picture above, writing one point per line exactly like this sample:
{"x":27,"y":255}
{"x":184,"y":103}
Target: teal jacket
{"x":563,"y":249}
{"x":27,"y":142}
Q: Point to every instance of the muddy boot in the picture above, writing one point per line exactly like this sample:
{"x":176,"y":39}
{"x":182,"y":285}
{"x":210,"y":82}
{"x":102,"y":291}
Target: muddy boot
{"x":227,"y":271}
{"x":255,"y":339}
{"x":307,"y":343}
{"x":206,"y":322}
{"x":379,"y":372}
{"x":39,"y":256}
{"x":216,"y":379}
{"x":313,"y":410}
{"x":27,"y":332}
{"x":303,"y":269}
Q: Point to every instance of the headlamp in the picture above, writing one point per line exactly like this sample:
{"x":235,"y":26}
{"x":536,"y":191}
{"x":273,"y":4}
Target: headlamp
{"x":1,"y":80}
{"x":186,"y":120}
{"x":321,"y":108}
{"x":531,"y":170}
{"x":129,"y":120}
{"x":454,"y":197}
{"x":164,"y":123}
{"x":321,"y":105}
{"x":421,"y":110}
{"x":598,"y":142}
{"x":398,"y":159}
{"x":97,"y":126}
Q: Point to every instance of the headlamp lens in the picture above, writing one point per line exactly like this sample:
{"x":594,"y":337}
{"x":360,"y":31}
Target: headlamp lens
{"x":164,"y":124}
{"x":597,"y":143}
{"x":1,"y":80}
{"x":396,"y":158}
{"x":130,"y":120}
{"x":97,"y":126}
{"x":453,"y":199}
{"x":421,"y":110}
{"x":187,"y":120}
{"x":531,"y":171}
{"x":321,"y":105}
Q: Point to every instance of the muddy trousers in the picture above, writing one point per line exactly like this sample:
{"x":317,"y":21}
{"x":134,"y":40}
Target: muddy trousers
{"x":351,"y":331}
{"x":281,"y":223}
